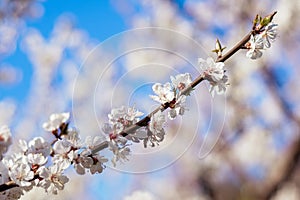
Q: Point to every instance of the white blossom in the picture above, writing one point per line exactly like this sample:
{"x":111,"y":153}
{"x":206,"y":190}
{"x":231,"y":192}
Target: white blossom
{"x":137,"y":195}
{"x":92,"y":142}
{"x":154,"y":133}
{"x":92,"y":162}
{"x":23,"y":146}
{"x":181,"y":81}
{"x":86,"y":161}
{"x":97,"y":167}
{"x":219,"y":87}
{"x":63,"y":153}
{"x":36,"y":159}
{"x":116,"y":114}
{"x":55,"y":121}
{"x":255,"y":45}
{"x":82,"y":162}
{"x":14,"y":159}
{"x":79,"y":169}
{"x":178,"y":108}
{"x":164,"y":93}
{"x":269,"y":34}
{"x":124,"y":116}
{"x":39,"y":145}
{"x":120,"y":153}
{"x":21,"y":174}
{"x":110,"y":129}
{"x":133,"y":114}
{"x":214,"y":73}
{"x":74,"y":138}
{"x":113,"y":133}
{"x":53,"y":179}
{"x":157,"y":122}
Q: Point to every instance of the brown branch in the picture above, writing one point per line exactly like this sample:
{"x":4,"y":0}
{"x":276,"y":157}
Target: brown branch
{"x":199,"y":79}
{"x":289,"y":168}
{"x":8,"y":185}
{"x":146,"y":120}
{"x":235,"y":48}
{"x":292,"y":159}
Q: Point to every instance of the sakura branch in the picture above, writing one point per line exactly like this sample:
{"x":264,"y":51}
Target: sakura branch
{"x":39,"y":163}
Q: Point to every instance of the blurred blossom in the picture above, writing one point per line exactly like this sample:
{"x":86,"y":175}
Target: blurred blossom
{"x":289,"y":191}
{"x":8,"y":37}
{"x":260,"y":112}
{"x":9,"y":75}
{"x":264,"y":152}
{"x":136,"y":195}
{"x":9,"y":108}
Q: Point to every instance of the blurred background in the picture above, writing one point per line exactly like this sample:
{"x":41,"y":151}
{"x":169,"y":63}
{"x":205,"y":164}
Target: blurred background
{"x":65,"y":56}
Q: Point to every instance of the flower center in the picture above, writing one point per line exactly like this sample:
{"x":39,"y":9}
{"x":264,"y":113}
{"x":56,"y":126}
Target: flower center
{"x":181,"y":86}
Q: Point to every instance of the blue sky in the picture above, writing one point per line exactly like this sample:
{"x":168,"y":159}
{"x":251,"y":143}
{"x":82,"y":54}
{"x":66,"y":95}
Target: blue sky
{"x":98,"y":18}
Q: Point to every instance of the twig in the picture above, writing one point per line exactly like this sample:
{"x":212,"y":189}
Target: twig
{"x":8,"y":185}
{"x":199,"y":79}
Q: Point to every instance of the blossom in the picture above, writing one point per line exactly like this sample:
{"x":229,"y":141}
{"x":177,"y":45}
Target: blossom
{"x":219,"y":87}
{"x":116,"y":114}
{"x":214,"y":73}
{"x":36,"y":159}
{"x":261,"y":41}
{"x":39,"y":146}
{"x":87,"y":161}
{"x":21,"y":174}
{"x":255,"y":45}
{"x":124,"y":117}
{"x":14,"y":159}
{"x":133,"y":114}
{"x":269,"y":34}
{"x":5,"y":139}
{"x":23,"y":146}
{"x":137,"y":195}
{"x":92,"y":142}
{"x":82,"y":162}
{"x":154,"y":132}
{"x":53,"y":179}
{"x":120,"y":153}
{"x":113,"y":133}
{"x":156,"y":123}
{"x":164,"y":93}
{"x":97,"y":167}
{"x":63,"y":153}
{"x":178,"y":108}
{"x":74,"y":138}
{"x":55,"y":121}
{"x":181,"y":81}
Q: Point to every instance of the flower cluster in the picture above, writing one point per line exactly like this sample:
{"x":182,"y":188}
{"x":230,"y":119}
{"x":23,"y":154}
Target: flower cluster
{"x":153,"y":133}
{"x":261,"y":40}
{"x":120,"y":119}
{"x":214,"y":73}
{"x":171,"y":94}
{"x":31,"y":166}
{"x":42,"y":164}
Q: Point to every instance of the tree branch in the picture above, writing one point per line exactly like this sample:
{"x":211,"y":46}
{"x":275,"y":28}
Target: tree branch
{"x":7,"y":186}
